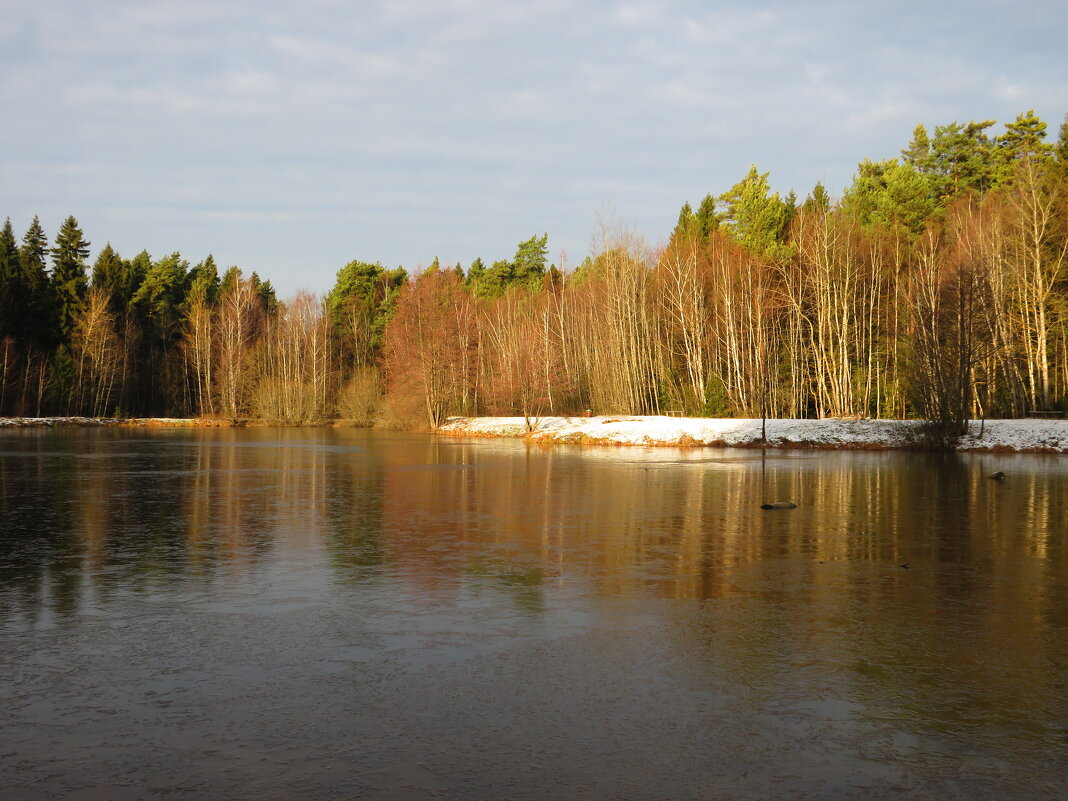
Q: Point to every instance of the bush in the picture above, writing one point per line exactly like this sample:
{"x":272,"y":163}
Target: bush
{"x":360,"y":401}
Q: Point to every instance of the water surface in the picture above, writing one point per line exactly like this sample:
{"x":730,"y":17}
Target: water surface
{"x":319,"y":613}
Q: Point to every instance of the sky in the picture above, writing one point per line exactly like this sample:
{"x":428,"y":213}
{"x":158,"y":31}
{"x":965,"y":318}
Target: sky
{"x":292,"y":138}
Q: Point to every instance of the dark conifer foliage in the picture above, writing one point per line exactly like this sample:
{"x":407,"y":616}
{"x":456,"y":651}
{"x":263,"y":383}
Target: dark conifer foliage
{"x":69,"y":281}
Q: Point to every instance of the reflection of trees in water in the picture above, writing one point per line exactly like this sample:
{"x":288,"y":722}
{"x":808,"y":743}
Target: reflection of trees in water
{"x":355,"y":485}
{"x":683,"y":530}
{"x":911,"y":591}
{"x":895,"y":572}
{"x":93,"y":511}
{"x":37,"y":545}
{"x":987,"y":560}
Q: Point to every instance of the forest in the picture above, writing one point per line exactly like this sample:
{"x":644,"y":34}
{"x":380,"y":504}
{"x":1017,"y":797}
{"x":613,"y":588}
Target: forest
{"x":935,"y":288}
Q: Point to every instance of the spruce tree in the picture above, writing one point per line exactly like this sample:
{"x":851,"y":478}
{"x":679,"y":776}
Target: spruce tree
{"x":475,"y":273}
{"x":107,"y":270}
{"x":687,"y":222}
{"x":10,"y":281}
{"x":69,"y":281}
{"x":204,"y":281}
{"x":819,"y":201}
{"x":36,"y":310}
{"x":706,"y":218}
{"x":160,"y":296}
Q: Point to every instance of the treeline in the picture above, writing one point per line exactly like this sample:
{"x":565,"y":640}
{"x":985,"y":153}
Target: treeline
{"x":936,"y":287}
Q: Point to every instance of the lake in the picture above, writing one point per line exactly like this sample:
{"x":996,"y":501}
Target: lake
{"x":331,"y":613}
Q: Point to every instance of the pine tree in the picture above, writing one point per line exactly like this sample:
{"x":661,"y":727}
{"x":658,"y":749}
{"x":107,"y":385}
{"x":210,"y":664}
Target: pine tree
{"x":1021,"y":142}
{"x":529,"y":263}
{"x":755,"y":216}
{"x":1023,"y":137}
{"x":961,"y":159}
{"x":360,"y":306}
{"x":920,"y":152}
{"x":69,"y":281}
{"x":891,"y":195}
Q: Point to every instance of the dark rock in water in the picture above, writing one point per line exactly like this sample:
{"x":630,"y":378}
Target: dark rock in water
{"x":998,"y":476}
{"x":779,"y":505}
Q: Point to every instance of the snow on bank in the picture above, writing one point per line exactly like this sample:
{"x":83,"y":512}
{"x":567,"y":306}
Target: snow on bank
{"x":1046,"y":436}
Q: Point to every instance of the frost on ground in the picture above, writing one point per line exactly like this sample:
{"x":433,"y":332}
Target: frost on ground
{"x":1009,"y":435}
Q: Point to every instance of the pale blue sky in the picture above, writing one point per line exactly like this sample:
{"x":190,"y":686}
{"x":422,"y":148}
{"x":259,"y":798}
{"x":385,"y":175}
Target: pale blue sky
{"x":291,"y":138}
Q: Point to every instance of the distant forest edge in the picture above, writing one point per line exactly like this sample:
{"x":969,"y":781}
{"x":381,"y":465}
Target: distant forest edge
{"x":936,"y":288}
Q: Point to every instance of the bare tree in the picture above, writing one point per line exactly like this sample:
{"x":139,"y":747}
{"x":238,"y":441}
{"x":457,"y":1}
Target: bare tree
{"x":240,"y":316}
{"x":431,"y":347}
{"x":96,"y":351}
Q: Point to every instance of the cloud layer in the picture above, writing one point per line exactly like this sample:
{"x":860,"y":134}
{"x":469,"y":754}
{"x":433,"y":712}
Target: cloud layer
{"x":292,"y":138}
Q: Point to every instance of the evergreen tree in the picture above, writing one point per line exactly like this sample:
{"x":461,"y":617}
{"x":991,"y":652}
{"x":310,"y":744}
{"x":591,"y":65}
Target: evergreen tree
{"x":107,"y":270}
{"x":134,"y":274}
{"x":230,"y":279}
{"x":687,"y":223}
{"x":1022,"y":141}
{"x":756,"y":217}
{"x":1060,"y":150}
{"x":530,"y":259}
{"x":706,"y":218}
{"x":160,"y":297}
{"x":36,"y":306}
{"x":526,"y":270}
{"x":495,"y":281}
{"x":920,"y":152}
{"x":265,"y":291}
{"x":204,"y":281}
{"x":69,"y":281}
{"x":11,"y":293}
{"x":819,"y":200}
{"x":1023,"y":137}
{"x":891,"y":195}
{"x":475,"y":273}
{"x":361,"y":304}
{"x":961,"y":159}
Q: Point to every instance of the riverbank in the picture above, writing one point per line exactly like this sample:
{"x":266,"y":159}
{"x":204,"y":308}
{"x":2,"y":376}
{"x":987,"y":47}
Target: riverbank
{"x":1010,"y":436}
{"x":134,"y":422}
{"x":1022,"y":436}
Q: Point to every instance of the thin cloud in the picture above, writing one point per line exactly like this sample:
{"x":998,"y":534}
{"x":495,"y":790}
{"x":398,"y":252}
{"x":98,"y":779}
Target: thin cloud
{"x":295,"y":137}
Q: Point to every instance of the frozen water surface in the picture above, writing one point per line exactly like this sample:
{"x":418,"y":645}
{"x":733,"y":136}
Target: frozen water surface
{"x":320,"y":613}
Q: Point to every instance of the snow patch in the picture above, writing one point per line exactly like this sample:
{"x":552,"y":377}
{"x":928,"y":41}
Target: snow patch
{"x":1008,"y":435}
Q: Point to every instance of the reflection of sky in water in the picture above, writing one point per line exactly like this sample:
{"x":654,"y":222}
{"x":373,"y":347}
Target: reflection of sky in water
{"x":374,"y":612}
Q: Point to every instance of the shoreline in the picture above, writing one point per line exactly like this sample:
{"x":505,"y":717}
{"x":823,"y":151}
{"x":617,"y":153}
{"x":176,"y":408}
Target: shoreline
{"x":999,"y":436}
{"x":1026,"y":435}
{"x":109,"y":422}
